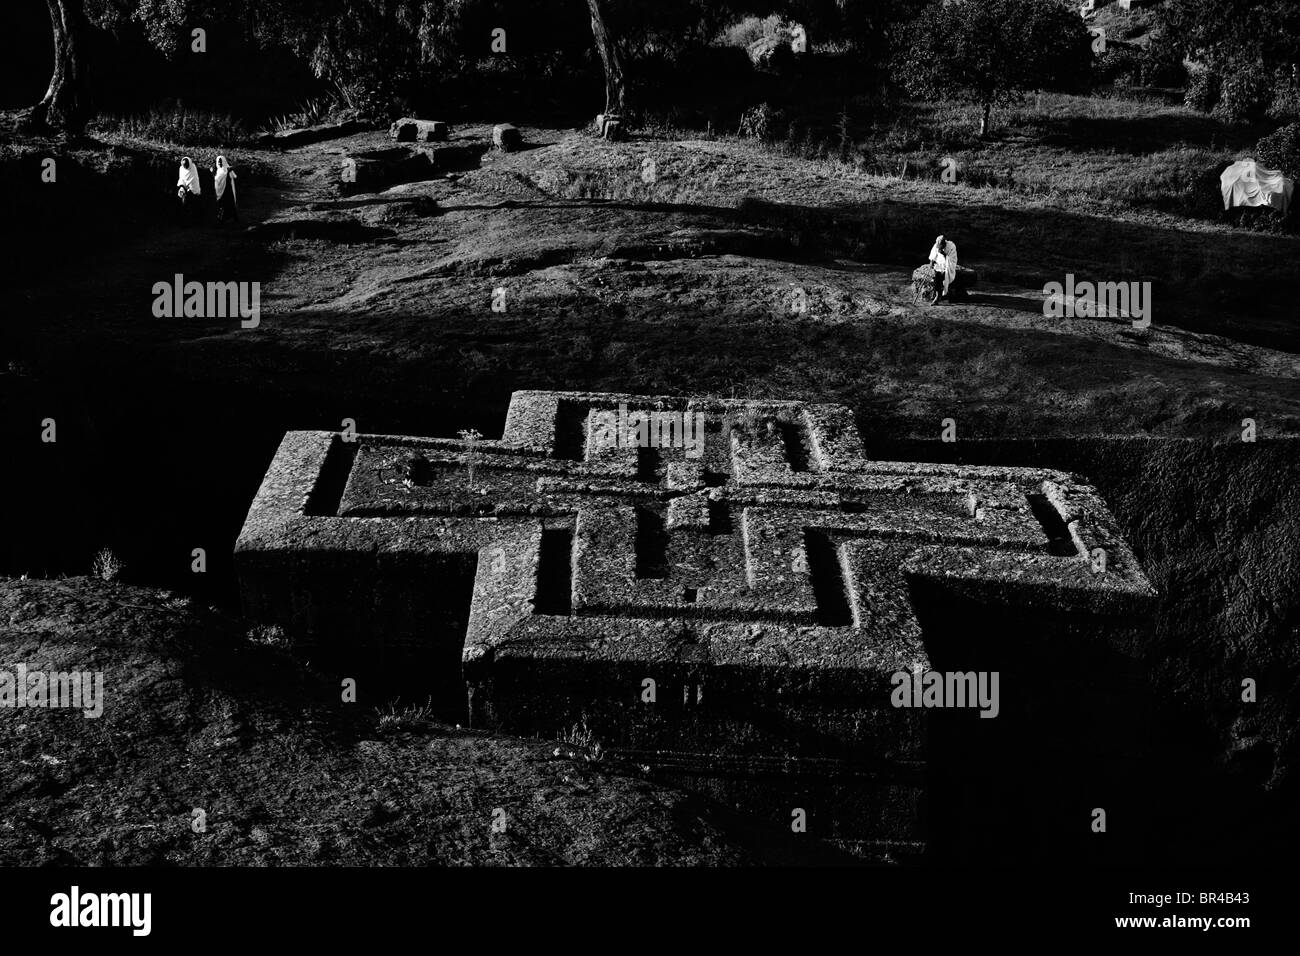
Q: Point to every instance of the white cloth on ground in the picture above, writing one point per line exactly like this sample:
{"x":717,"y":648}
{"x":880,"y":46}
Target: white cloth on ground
{"x":1246,"y":183}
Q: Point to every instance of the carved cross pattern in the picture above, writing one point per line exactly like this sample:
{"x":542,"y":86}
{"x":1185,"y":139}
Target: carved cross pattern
{"x":782,"y":546}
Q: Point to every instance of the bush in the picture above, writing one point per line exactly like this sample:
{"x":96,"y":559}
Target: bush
{"x":106,"y":565}
{"x":1286,"y":94}
{"x":1162,"y":64}
{"x":1204,"y":196}
{"x":1244,"y":94}
{"x":1120,"y":64}
{"x":411,"y":719}
{"x":268,"y":635}
{"x":1202,"y":90}
{"x":178,"y":126}
{"x":750,"y":30}
{"x":760,"y":122}
{"x":1281,"y":150}
{"x":310,"y":113}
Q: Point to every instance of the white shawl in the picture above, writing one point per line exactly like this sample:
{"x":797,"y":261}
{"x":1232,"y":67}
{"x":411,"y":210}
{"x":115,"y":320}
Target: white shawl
{"x":945,"y":260}
{"x":189,"y":177}
{"x":222,"y":173}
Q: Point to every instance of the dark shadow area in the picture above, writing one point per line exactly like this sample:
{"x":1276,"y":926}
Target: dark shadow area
{"x":1207,"y":522}
{"x":555,"y":572}
{"x":1018,"y":303}
{"x":340,"y":230}
{"x":1144,"y":134}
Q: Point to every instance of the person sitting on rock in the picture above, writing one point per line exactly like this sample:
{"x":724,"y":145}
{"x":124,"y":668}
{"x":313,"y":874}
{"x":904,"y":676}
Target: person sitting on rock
{"x":188,"y":190}
{"x":943,"y":257}
{"x":223,"y":185}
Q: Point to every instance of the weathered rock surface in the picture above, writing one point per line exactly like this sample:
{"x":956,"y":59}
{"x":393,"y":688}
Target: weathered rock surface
{"x":410,"y":130}
{"x":506,"y":137}
{"x":609,"y":126}
{"x":198,"y":717}
{"x":371,"y":170}
{"x":289,"y":139}
{"x":745,"y":552}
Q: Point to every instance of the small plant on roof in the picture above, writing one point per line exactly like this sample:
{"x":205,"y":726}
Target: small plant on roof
{"x":413,"y":718}
{"x":107,"y":565}
{"x":753,"y":418}
{"x":415,"y":470}
{"x":268,"y":635}
{"x":581,"y":738}
{"x":471,"y":438}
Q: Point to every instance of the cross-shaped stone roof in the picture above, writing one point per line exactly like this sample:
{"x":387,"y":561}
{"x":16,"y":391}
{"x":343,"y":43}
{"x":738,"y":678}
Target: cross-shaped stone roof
{"x":771,"y":558}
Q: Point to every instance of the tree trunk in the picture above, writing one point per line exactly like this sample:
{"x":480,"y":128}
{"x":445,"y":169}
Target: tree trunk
{"x":615,"y":87}
{"x":64,"y":103}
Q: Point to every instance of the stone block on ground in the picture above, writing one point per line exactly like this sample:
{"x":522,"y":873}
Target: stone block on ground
{"x":609,"y":126}
{"x":455,"y":157}
{"x":373,"y":170}
{"x":411,"y":130}
{"x":305,"y":136}
{"x":506,"y":138}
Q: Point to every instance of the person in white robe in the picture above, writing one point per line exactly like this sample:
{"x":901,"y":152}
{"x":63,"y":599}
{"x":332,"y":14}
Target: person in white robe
{"x":943,"y":257}
{"x":223,"y":185}
{"x":188,"y":189}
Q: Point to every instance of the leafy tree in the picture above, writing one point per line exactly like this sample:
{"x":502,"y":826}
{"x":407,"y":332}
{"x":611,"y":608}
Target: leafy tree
{"x":611,"y":58}
{"x":345,"y":41}
{"x":1226,"y":31}
{"x":1239,"y":51}
{"x":992,"y":52}
{"x":64,"y":103}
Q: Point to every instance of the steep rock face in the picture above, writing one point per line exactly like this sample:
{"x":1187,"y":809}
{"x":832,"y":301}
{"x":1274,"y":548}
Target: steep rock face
{"x":1221,"y":527}
{"x":1217,"y":529}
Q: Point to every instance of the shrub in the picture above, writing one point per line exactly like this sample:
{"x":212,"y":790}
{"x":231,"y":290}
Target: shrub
{"x":773,"y":54}
{"x":1202,"y":90}
{"x":1204,"y":195}
{"x":311,"y":113}
{"x":750,"y":30}
{"x":106,"y":565}
{"x":1281,"y":150}
{"x":1244,"y":94}
{"x":581,"y":737}
{"x":268,"y":635}
{"x":1286,"y":93}
{"x":1162,"y":64}
{"x":760,"y":122}
{"x":1120,"y":64}
{"x":377,"y":100}
{"x":409,"y":719}
{"x":178,"y":126}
